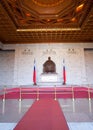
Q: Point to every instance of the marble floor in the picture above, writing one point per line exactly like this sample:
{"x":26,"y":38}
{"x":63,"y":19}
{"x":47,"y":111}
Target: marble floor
{"x":78,"y":113}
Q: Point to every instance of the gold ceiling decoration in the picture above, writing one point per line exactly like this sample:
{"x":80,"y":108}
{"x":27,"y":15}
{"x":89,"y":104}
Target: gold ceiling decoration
{"x":26,"y":16}
{"x":23,"y":21}
{"x":80,"y":7}
{"x":47,"y":3}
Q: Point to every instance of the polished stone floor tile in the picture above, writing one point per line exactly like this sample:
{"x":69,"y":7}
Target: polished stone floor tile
{"x":78,"y":113}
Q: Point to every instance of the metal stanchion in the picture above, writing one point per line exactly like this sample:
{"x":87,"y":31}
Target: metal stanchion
{"x":4,"y":93}
{"x":55,"y":93}
{"x":73,"y":94}
{"x":20,"y":106}
{"x":73,"y":103}
{"x":20,"y":98}
{"x":37,"y":93}
{"x":3,"y":107}
{"x":89,"y":97}
{"x":90,"y":106}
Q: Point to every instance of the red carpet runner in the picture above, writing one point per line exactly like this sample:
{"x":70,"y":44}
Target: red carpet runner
{"x":44,"y":114}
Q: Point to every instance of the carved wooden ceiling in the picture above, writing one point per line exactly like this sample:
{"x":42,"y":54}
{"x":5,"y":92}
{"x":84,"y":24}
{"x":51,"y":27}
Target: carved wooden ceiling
{"x":46,"y":21}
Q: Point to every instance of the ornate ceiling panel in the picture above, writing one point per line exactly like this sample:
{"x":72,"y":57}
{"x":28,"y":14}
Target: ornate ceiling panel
{"x":40,"y":21}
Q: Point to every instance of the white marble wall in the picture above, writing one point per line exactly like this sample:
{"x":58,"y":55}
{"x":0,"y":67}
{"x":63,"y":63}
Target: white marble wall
{"x":23,"y":62}
{"x":6,"y":67}
{"x":89,"y":66}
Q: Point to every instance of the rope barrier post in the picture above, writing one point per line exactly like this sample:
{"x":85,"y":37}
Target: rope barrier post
{"x":73,"y":94}
{"x":37,"y":93}
{"x":20,"y":98}
{"x":89,"y":97}
{"x":20,"y":106}
{"x":55,"y":93}
{"x":73,"y":104}
{"x":90,"y":105}
{"x":4,"y":93}
{"x":3,"y":108}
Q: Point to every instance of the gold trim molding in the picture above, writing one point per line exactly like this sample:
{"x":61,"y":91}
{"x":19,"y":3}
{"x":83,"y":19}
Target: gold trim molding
{"x":48,"y":29}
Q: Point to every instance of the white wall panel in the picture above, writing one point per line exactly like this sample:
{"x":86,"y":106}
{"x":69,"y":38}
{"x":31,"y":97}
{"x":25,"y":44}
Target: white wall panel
{"x":89,"y":66}
{"x":7,"y":67}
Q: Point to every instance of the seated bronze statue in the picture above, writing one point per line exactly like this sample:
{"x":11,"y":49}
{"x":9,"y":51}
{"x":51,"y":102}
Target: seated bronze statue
{"x":49,"y":66}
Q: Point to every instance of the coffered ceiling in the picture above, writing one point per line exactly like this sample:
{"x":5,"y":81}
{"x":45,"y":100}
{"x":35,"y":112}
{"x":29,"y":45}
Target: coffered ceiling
{"x":46,"y":21}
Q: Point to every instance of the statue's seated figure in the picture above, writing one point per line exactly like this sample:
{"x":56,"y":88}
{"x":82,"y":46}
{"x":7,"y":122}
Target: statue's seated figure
{"x":49,"y":66}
